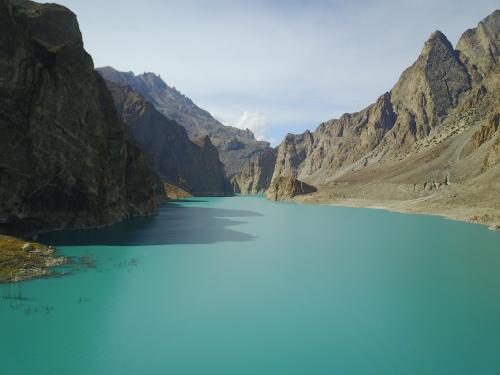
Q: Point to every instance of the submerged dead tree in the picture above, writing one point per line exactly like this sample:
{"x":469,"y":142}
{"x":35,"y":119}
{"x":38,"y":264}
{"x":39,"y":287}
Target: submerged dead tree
{"x":13,"y":291}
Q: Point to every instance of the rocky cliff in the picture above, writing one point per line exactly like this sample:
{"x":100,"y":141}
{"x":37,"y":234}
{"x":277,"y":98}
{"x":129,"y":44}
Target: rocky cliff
{"x":192,"y":166}
{"x":256,"y":174}
{"x":431,"y":142}
{"x":236,"y":146}
{"x":479,"y":48}
{"x":66,"y":160}
{"x":287,"y":187}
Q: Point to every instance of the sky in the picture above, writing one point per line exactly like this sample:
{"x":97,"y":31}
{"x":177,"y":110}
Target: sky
{"x":276,"y":67}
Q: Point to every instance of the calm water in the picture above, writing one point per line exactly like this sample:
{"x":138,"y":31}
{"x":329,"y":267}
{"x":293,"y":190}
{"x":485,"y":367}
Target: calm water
{"x":245,"y":286}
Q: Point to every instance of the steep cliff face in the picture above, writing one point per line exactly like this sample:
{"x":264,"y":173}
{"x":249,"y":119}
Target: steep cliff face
{"x":236,"y":146}
{"x":255,"y":176}
{"x":480,"y":47}
{"x":427,"y":91}
{"x":66,"y":159}
{"x":192,"y":166}
{"x":445,"y":93}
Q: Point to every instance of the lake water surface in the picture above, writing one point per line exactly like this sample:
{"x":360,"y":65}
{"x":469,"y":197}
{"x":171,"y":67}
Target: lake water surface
{"x":247,"y":286}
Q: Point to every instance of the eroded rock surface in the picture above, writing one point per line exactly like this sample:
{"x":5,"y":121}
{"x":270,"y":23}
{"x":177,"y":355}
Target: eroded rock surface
{"x":283,"y":188}
{"x":66,"y":159}
{"x":192,"y":166}
{"x":256,"y":175}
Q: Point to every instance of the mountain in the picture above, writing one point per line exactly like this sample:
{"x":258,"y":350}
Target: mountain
{"x":67,"y":161}
{"x":235,"y":146}
{"x":192,"y":166}
{"x":431,"y":144}
{"x":479,"y":47}
{"x":256,"y":174}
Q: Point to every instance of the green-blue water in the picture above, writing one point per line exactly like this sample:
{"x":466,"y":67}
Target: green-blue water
{"x":246,"y":286}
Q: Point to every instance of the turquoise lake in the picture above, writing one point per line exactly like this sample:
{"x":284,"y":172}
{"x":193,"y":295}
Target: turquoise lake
{"x":246,"y":286}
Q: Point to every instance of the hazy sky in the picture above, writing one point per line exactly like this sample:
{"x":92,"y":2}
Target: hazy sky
{"x":274,"y":66}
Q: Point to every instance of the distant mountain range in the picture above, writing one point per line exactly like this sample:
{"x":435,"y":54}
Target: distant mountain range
{"x":236,"y":146}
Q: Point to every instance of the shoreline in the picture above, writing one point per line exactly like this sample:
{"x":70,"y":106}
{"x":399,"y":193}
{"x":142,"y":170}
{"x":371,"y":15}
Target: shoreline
{"x":25,"y":260}
{"x":472,"y":215}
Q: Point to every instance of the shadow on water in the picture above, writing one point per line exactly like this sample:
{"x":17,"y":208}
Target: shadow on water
{"x":175,"y":224}
{"x":187,"y":200}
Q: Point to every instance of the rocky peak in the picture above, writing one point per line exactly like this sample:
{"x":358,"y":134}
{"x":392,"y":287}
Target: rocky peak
{"x":153,"y":81}
{"x":436,"y":40}
{"x":428,"y":89}
{"x":50,"y":24}
{"x":480,"y":47}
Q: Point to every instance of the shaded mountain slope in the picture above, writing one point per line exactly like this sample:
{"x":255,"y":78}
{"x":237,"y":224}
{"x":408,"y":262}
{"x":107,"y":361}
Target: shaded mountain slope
{"x":193,"y":166}
{"x":235,"y":146}
{"x":66,"y":160}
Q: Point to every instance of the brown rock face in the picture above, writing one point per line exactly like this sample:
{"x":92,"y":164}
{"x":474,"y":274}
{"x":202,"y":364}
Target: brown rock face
{"x":283,"y":188}
{"x":236,"y":146}
{"x":427,"y":90}
{"x":486,"y":132}
{"x":66,"y":159}
{"x":255,"y":176}
{"x":480,"y":47}
{"x":192,"y":166}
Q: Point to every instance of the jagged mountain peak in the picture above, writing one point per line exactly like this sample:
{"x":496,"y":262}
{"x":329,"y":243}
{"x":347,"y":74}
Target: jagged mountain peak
{"x":438,"y":36}
{"x":235,"y":146}
{"x":429,"y":88}
{"x":52,"y":25}
{"x":154,"y":80}
{"x":437,"y":45}
{"x":479,"y":47}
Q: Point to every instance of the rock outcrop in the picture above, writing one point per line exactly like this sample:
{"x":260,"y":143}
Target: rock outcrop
{"x":283,"y":188}
{"x":66,"y":159}
{"x":20,"y":260}
{"x":490,"y":131}
{"x":192,"y":166}
{"x":236,"y":146}
{"x":480,"y":47}
{"x":256,"y":174}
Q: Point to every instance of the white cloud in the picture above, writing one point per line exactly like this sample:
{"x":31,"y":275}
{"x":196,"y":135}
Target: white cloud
{"x":254,"y":121}
{"x":257,"y":123}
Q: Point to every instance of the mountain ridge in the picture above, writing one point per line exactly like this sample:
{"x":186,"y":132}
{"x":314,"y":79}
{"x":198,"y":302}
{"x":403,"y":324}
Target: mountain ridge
{"x":193,"y":166}
{"x":415,"y":144}
{"x":236,"y":146}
